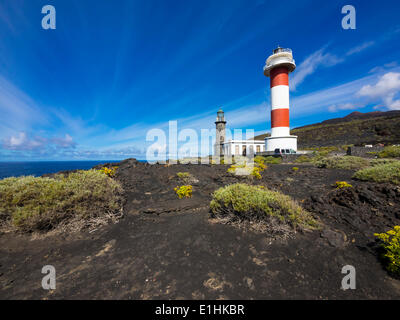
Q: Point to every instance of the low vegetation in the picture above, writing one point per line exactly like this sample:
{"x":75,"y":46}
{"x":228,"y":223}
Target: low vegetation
{"x":109,"y":171}
{"x":241,"y":202}
{"x":39,"y":204}
{"x":186,"y":177}
{"x":390,"y":242}
{"x":260,"y":162}
{"x":184,"y":191}
{"x":244,"y":169}
{"x":345,"y":162}
{"x":256,"y":172}
{"x":342,"y":184}
{"x":272,"y":160}
{"x":376,"y":162}
{"x":390,"y":152}
{"x":388,"y":172}
{"x":323,"y":151}
{"x":303,"y":159}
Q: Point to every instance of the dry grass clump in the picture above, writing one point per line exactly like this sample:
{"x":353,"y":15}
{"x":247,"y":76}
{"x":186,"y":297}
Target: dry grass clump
{"x":241,"y":202}
{"x":40,"y":204}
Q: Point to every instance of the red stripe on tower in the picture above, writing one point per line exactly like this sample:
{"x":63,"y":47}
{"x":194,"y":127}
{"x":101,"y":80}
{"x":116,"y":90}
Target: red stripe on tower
{"x":280,"y":118}
{"x":279,"y":77}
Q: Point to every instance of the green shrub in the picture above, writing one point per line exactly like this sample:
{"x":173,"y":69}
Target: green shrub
{"x":376,"y":162}
{"x":42,"y":203}
{"x":303,"y":159}
{"x":390,"y":152}
{"x":272,"y":160}
{"x":323,"y":151}
{"x":391,"y":245}
{"x":239,"y":202}
{"x":345,"y":162}
{"x":389,"y":172}
{"x":184,"y":191}
{"x":295,"y":169}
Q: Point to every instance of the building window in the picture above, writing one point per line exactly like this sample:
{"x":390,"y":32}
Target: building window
{"x":251,"y":151}
{"x":236,"y":149}
{"x":243,"y":150}
{"x":258,"y":148}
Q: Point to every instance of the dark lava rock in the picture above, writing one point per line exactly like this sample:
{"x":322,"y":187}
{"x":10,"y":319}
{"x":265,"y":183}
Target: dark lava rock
{"x":363,"y":209}
{"x":334,"y":238}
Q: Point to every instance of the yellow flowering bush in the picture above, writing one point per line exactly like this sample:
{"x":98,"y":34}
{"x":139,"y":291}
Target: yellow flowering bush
{"x":391,"y":244}
{"x":295,"y":169}
{"x":244,"y":169}
{"x":109,"y":171}
{"x":184,"y":191}
{"x":256,"y":172}
{"x":260,"y":162}
{"x":342,"y":184}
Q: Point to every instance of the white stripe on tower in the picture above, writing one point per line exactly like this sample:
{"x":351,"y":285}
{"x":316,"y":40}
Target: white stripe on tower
{"x":280,"y":97}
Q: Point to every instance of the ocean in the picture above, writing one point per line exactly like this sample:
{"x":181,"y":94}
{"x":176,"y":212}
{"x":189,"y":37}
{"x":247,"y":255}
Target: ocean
{"x":38,"y":168}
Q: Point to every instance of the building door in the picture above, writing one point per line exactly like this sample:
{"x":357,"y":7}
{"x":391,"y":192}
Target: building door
{"x":243,"y":150}
{"x":258,"y":148}
{"x":237,"y":150}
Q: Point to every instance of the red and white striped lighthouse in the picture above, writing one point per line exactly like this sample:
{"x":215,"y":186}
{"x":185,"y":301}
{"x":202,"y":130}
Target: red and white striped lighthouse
{"x":277,"y":67}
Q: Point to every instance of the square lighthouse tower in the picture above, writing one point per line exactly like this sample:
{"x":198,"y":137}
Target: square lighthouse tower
{"x":277,"y":68}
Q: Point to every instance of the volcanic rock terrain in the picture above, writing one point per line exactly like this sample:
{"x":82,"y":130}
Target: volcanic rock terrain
{"x":169,"y":248}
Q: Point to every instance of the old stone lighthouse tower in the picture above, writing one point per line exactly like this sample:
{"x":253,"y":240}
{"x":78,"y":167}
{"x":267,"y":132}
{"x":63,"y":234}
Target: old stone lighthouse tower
{"x":220,"y":124}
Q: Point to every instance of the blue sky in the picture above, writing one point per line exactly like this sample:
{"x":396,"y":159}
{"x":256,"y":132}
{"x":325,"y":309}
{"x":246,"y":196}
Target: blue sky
{"x":113,"y":70}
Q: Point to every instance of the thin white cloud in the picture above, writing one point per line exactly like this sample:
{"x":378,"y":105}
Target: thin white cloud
{"x":385,"y":67}
{"x":360,"y":48}
{"x":311,"y":64}
{"x":66,"y":142}
{"x":321,"y":58}
{"x":18,"y":111}
{"x":343,"y":106}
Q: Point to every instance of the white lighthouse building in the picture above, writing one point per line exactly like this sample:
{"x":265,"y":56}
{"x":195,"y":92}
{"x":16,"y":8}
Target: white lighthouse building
{"x":277,"y":68}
